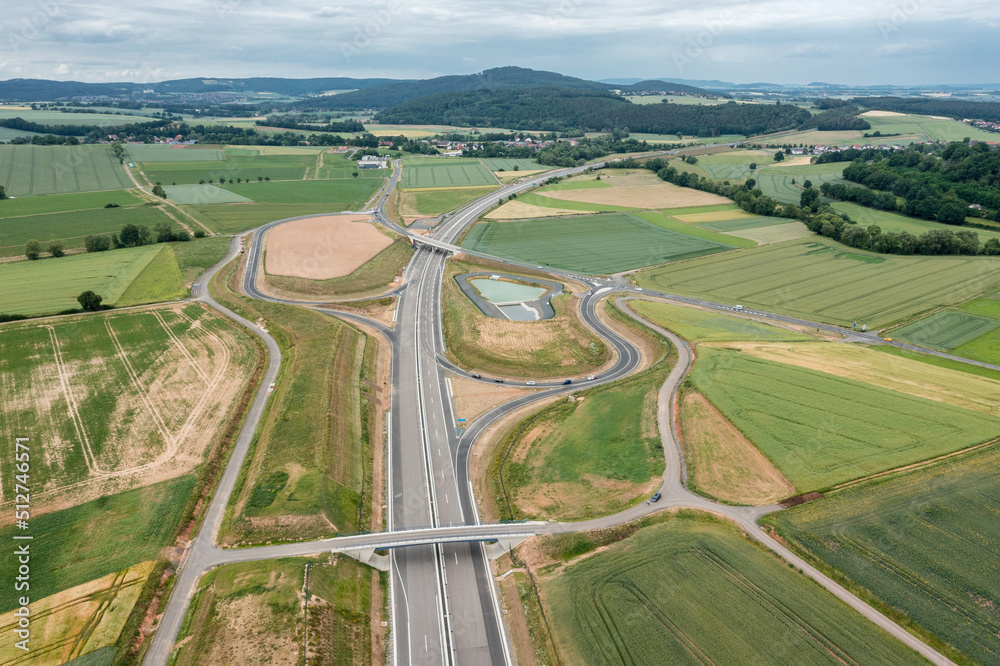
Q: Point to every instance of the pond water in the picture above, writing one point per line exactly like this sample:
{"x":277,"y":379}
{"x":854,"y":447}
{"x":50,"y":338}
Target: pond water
{"x":498,"y":292}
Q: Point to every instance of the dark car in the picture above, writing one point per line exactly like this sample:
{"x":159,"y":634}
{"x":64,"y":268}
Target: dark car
{"x":656,"y":497}
{"x":498,"y":381}
{"x":477,"y":376}
{"x":568,"y":381}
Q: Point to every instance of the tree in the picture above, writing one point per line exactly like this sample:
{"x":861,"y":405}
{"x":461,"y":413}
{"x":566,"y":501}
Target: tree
{"x":355,"y":174}
{"x":57,"y":249}
{"x":32,"y":249}
{"x":992,"y":247}
{"x":164,"y":233}
{"x":134,"y":236}
{"x":90,"y":301}
{"x":199,"y":233}
{"x":267,"y":178}
{"x":779,"y":156}
{"x":97,"y":243}
{"x":158,"y":191}
{"x":807,"y":184}
{"x":753,"y":166}
{"x":3,"y":193}
{"x":751,"y":183}
{"x":260,"y":179}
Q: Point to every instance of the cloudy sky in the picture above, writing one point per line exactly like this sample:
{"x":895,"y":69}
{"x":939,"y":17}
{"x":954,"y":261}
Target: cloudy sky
{"x":781,"y":41}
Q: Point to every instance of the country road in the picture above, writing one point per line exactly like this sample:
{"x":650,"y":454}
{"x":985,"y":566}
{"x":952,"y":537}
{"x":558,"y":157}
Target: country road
{"x":445,"y":606}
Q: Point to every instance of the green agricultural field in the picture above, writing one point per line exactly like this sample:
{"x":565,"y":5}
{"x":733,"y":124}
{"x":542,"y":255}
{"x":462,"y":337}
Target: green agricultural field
{"x":696,"y":325}
{"x":695,"y":591}
{"x":585,"y":459}
{"x":594,"y":244}
{"x":726,"y":226}
{"x":565,"y":204}
{"x":819,"y":279}
{"x":986,"y":347}
{"x":159,"y":152}
{"x":53,"y":117}
{"x":7,"y":134}
{"x":31,"y":170}
{"x":234,"y":218}
{"x":160,"y":281}
{"x":275,"y":167}
{"x":504,"y":164}
{"x":927,"y":128}
{"x":718,"y":208}
{"x":921,"y":544}
{"x":203,"y":194}
{"x":669,"y":223}
{"x":887,"y":221}
{"x":52,"y":285}
{"x":197,"y":256}
{"x":86,"y":542}
{"x":343,"y":194}
{"x":946,"y":330}
{"x":439,"y":202}
{"x":445,"y":172}
{"x":780,"y":188}
{"x":266,"y":596}
{"x":64,"y":203}
{"x":73,"y":226}
{"x":821,"y":430}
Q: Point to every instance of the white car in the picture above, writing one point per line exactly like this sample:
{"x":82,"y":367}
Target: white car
{"x":592,"y":378}
{"x":531,"y":383}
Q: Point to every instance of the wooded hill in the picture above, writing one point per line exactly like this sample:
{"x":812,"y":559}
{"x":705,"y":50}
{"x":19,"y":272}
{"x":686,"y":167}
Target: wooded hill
{"x":569,"y":110}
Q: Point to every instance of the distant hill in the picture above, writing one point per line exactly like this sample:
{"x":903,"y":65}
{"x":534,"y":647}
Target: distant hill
{"x":655,"y":85}
{"x":397,"y":92}
{"x":37,"y":90}
{"x":565,"y":109}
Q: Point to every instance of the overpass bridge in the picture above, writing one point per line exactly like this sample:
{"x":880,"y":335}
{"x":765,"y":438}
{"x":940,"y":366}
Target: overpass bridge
{"x":499,"y":538}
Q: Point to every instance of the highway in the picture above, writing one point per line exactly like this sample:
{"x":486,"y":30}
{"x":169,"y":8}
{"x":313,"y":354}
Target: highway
{"x":445,"y":607}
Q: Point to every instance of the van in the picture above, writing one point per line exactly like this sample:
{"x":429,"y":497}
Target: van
{"x":738,"y":308}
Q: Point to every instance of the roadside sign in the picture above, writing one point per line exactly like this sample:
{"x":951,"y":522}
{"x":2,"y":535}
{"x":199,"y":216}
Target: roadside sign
{"x":461,"y":420}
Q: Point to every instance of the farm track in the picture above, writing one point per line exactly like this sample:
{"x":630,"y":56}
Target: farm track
{"x":203,"y":552}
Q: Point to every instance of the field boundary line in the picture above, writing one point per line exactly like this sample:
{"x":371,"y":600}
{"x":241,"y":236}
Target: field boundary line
{"x":74,"y":412}
{"x":199,"y":407}
{"x":913,"y":467}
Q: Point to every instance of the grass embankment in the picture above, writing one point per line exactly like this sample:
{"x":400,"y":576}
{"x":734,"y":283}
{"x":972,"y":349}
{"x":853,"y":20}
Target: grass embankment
{"x":557,"y":347}
{"x":309,"y":471}
{"x":919,"y":546}
{"x":594,"y":455}
{"x":821,"y":430}
{"x":373,"y":278}
{"x":254,"y":613}
{"x":692,"y":589}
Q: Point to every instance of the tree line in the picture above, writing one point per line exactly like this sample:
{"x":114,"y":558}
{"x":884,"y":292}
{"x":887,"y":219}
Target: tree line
{"x":131,"y":235}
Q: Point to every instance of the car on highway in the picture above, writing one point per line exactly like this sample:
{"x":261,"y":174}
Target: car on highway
{"x":531,"y":383}
{"x":568,"y":381}
{"x":656,"y":496}
{"x":477,"y":376}
{"x":498,"y":381}
{"x":887,"y":339}
{"x":591,"y":378}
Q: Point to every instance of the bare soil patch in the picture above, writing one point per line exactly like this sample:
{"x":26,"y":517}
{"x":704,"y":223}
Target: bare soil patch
{"x":322,"y":248}
{"x":695,"y":218}
{"x":882,"y":114}
{"x":473,"y":399}
{"x":723,"y":462}
{"x":658,"y":194}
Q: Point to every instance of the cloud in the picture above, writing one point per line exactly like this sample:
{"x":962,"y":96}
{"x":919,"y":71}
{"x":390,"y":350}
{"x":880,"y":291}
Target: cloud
{"x":324,"y":12}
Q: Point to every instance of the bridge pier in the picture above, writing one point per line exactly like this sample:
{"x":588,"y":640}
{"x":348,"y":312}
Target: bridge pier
{"x":503,"y":545}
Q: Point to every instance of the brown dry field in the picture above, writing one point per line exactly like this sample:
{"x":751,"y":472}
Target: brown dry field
{"x":719,"y":216}
{"x":639,"y":190}
{"x":777,"y":233}
{"x":76,"y":621}
{"x":801,"y":160}
{"x":169,"y":408}
{"x":322,"y":248}
{"x":724,"y":462}
{"x":518,"y":210}
{"x":473,"y":399}
{"x":885,"y":370}
{"x":882,"y":114}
